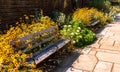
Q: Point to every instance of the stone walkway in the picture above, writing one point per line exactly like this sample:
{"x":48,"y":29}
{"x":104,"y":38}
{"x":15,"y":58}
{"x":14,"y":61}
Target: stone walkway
{"x":103,"y":55}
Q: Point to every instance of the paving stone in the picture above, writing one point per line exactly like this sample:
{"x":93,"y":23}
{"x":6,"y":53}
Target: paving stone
{"x":85,"y":62}
{"x":107,"y":41}
{"x":92,"y":52}
{"x":99,"y":36}
{"x":109,"y":34}
{"x":106,"y":50}
{"x":117,"y":44}
{"x":117,"y":34}
{"x":86,"y":50}
{"x":115,"y":29}
{"x":103,"y":40}
{"x":103,"y":67}
{"x":87,"y":71}
{"x":109,"y":47}
{"x":95,"y":45}
{"x":117,"y":47}
{"x":116,"y":68}
{"x":73,"y":70}
{"x":116,"y":38}
{"x":109,"y":57}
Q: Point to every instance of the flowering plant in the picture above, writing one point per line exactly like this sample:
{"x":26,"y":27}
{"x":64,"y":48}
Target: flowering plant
{"x":11,"y":61}
{"x":86,"y":15}
{"x":78,"y":33}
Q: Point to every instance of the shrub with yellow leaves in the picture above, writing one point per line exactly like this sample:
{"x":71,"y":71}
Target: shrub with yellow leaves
{"x":86,"y":15}
{"x":11,"y":61}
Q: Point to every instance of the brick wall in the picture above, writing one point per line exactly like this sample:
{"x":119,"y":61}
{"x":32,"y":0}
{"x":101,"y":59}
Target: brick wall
{"x":12,"y":10}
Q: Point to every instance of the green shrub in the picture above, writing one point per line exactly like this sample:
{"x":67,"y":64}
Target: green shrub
{"x":78,"y":33}
{"x":107,"y":5}
{"x":100,"y":4}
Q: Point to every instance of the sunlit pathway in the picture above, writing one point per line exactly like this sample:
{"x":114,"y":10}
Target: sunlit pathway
{"x":103,"y":55}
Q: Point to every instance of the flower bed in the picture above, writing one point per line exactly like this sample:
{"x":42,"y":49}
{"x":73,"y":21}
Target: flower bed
{"x":86,"y":15}
{"x":72,"y":27}
{"x":15,"y":61}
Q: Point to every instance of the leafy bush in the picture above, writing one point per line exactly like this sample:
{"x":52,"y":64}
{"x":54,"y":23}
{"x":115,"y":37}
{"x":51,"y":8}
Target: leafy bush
{"x":107,"y":5}
{"x":115,"y":8}
{"x":115,"y":2}
{"x":78,"y":33}
{"x":58,"y":17}
{"x":111,"y":15}
{"x":87,"y":37}
{"x":100,"y":4}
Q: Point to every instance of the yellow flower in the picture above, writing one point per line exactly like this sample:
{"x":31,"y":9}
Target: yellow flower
{"x":7,"y":54}
{"x":23,"y":56}
{"x":26,"y":17}
{"x":29,"y":45}
{"x":86,"y":15}
{"x":17,"y":43}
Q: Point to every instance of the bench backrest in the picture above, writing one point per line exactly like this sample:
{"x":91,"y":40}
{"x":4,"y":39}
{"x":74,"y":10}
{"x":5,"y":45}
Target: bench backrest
{"x":95,"y":22}
{"x":34,"y":40}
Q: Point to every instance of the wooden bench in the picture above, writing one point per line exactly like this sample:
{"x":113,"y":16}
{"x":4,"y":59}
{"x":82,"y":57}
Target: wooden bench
{"x":94,"y":22}
{"x":93,"y":25}
{"x":42,"y":44}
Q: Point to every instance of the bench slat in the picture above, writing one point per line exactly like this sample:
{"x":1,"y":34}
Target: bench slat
{"x":35,"y":41}
{"x":95,"y":22}
{"x":53,"y":49}
{"x":47,"y":47}
{"x":63,"y":43}
{"x":36,"y":54}
{"x":47,"y":38}
{"x":37,"y":44}
{"x":33,"y":35}
{"x":45,"y":55}
{"x":41,"y":55}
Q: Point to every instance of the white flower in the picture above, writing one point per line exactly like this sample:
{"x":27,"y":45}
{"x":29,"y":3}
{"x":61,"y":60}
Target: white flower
{"x":77,"y":40}
{"x":68,"y":30}
{"x":64,"y":30}
{"x":79,"y":28}
{"x":69,"y":25}
{"x":72,"y":33}
{"x":80,"y":36}
{"x":65,"y":25}
{"x":71,"y":36}
{"x":78,"y":31}
{"x":73,"y":41}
